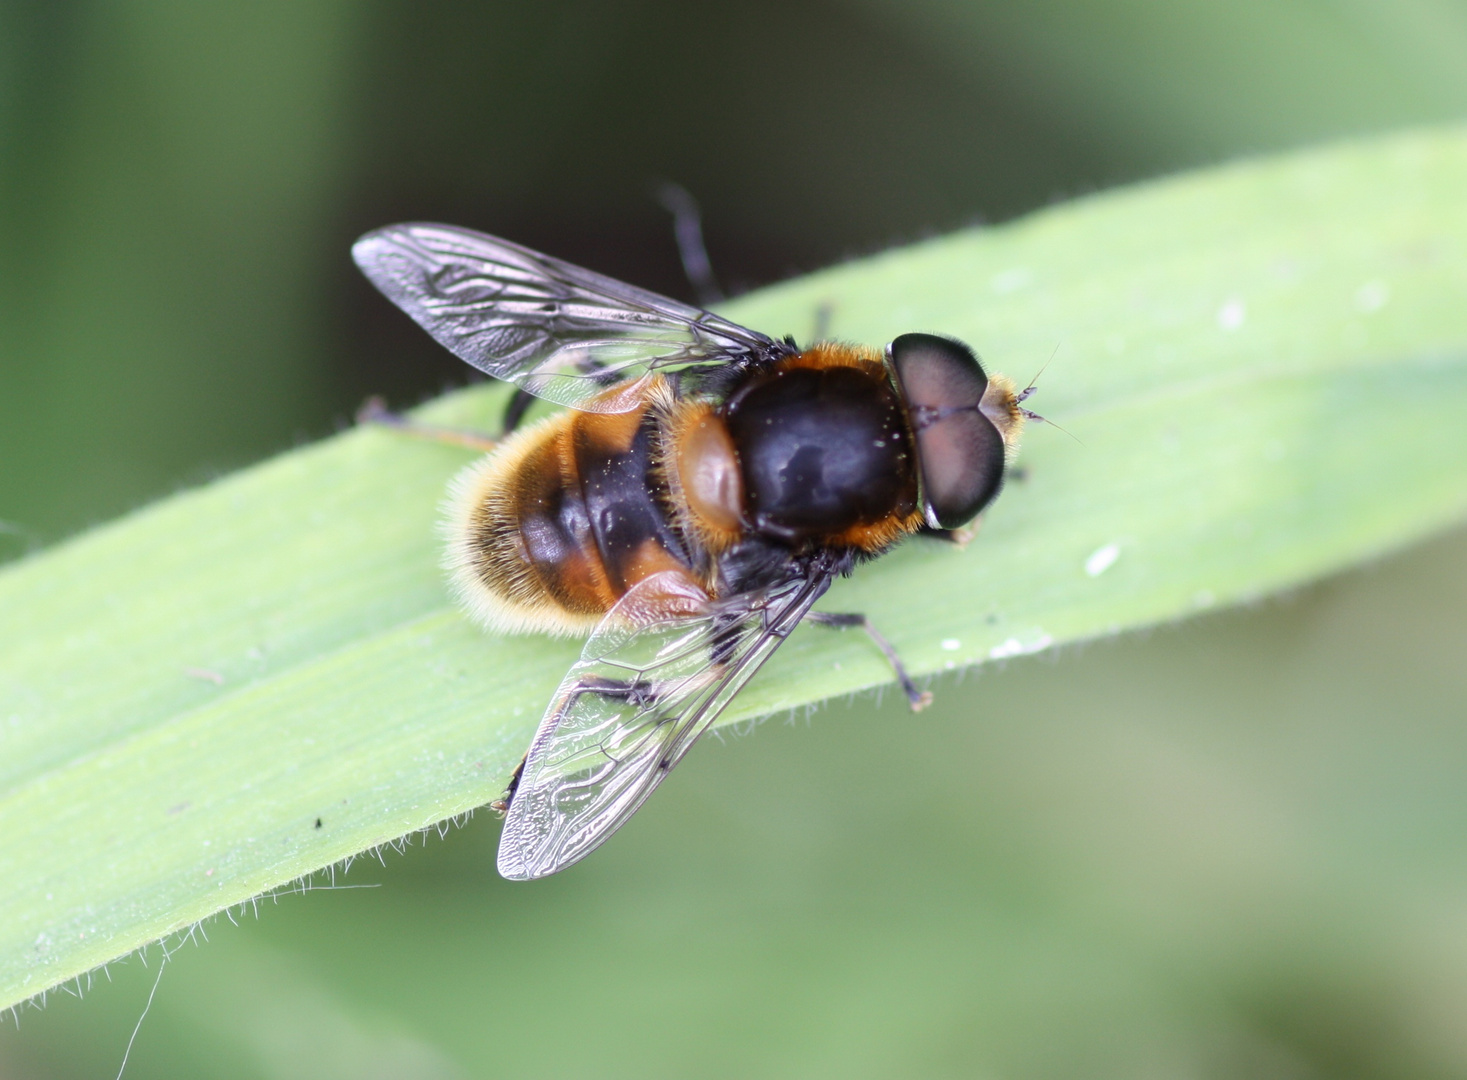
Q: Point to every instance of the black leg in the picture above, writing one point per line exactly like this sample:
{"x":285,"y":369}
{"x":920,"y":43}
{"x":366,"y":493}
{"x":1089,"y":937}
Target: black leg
{"x":687,"y":228}
{"x":375,"y":411}
{"x":823,"y":313}
{"x":918,"y":699}
{"x":637,"y":693}
{"x":501,"y":804}
{"x":519,"y":404}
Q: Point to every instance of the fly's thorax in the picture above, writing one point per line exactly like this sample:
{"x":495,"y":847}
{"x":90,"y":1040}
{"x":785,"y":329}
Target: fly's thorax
{"x":824,"y":450}
{"x":701,"y":471}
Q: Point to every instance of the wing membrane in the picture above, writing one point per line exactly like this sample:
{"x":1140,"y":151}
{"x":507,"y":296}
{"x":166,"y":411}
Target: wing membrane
{"x":556,"y":330}
{"x":657,"y":672}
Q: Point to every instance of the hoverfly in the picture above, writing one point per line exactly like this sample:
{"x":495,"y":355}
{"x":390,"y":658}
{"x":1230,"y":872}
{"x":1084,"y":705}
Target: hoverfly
{"x":706,"y":486}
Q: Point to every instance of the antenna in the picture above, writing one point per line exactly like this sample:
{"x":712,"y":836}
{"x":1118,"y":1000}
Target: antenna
{"x":1034,"y":382}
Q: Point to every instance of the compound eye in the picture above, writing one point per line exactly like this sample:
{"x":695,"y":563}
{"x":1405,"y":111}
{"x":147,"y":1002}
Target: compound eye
{"x":959,"y":450}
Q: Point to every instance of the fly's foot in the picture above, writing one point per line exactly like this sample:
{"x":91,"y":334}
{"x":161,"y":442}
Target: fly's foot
{"x":917,"y":699}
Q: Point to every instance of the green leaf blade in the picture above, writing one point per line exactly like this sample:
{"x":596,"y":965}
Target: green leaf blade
{"x":1265,"y":365}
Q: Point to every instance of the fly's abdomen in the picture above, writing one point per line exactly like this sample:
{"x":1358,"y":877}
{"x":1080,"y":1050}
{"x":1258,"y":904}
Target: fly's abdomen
{"x":554,"y":527}
{"x":622,"y":494}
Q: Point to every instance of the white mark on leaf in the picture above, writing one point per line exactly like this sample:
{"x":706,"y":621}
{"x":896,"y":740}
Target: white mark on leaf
{"x":1372,"y":296}
{"x":1014,"y":647}
{"x":1232,"y":314}
{"x":1102,"y":559}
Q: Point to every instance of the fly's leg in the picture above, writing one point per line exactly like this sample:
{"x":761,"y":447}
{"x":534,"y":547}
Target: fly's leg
{"x":918,"y":699}
{"x":640,"y":694}
{"x":501,"y":804}
{"x":519,"y":404}
{"x":375,"y":411}
{"x":960,"y":537}
{"x":824,"y":311}
{"x":521,"y":400}
{"x":687,"y":228}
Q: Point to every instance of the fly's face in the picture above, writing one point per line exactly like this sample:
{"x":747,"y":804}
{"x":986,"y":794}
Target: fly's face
{"x":707,"y":486}
{"x":966,"y":425}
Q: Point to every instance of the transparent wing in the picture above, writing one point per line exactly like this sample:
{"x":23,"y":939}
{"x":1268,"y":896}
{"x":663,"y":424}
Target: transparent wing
{"x":657,"y":672}
{"x":555,"y":330}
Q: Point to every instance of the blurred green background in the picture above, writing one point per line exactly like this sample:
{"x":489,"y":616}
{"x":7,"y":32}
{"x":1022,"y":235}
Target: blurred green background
{"x":1234,"y":848}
